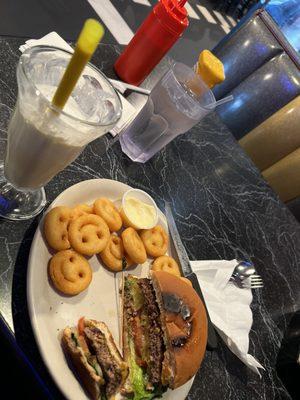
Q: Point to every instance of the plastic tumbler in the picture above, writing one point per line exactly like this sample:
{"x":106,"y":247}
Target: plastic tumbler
{"x":178,"y":102}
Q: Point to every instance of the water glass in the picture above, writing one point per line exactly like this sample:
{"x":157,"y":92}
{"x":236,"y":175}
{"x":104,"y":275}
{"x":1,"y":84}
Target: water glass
{"x":178,"y":102}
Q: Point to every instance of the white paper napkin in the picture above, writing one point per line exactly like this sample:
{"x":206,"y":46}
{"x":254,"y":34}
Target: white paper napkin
{"x":228,"y":307}
{"x":128,"y":113}
{"x":53,"y":39}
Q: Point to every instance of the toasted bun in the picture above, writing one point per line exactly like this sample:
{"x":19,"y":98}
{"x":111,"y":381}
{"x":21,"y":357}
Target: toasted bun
{"x":184,"y":360}
{"x":85,"y":371}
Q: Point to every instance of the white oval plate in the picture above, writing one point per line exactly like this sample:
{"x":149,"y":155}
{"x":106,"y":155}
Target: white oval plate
{"x":50,"y":312}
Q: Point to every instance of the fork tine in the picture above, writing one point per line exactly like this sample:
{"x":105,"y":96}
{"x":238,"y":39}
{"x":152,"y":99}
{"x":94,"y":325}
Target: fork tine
{"x":255,"y":276}
{"x":253,"y":285}
{"x":256,"y":281}
{"x":252,"y":280}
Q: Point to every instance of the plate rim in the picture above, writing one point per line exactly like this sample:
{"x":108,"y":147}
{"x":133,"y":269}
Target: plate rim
{"x":29,"y":291}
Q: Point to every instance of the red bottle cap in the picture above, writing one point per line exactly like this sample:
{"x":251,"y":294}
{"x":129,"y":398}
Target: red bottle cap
{"x":172,"y":15}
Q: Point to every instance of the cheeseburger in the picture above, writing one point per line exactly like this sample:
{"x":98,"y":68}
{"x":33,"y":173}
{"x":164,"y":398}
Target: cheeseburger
{"x":164,"y":341}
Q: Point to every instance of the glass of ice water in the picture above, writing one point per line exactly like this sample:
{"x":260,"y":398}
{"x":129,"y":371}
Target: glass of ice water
{"x":178,"y":102}
{"x":43,"y":140}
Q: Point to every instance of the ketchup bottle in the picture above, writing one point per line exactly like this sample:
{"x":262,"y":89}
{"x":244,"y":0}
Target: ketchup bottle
{"x":157,"y":34}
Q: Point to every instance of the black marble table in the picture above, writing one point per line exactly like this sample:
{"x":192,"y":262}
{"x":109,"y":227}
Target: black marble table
{"x":223,"y":209}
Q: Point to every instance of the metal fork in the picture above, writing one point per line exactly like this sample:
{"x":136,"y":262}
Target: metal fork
{"x":244,"y":276}
{"x":253,"y":282}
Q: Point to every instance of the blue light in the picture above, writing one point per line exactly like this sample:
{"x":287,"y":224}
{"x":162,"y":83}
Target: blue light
{"x":288,"y":85}
{"x":236,"y":104}
{"x":261,"y":48}
{"x":286,"y":14}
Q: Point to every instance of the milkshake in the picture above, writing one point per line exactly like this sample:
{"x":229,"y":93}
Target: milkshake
{"x":42,"y":139}
{"x":36,"y":149}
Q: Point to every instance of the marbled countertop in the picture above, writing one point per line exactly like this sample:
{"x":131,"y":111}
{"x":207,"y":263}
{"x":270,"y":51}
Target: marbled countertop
{"x":223,"y":210}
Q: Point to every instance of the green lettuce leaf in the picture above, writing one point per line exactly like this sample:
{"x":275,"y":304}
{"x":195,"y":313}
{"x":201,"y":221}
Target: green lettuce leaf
{"x":74,"y":338}
{"x":139,"y":380}
{"x":103,"y":396}
{"x":137,"y":377}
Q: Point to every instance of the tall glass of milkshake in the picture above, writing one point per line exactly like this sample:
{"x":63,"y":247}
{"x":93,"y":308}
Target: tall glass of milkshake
{"x":43,"y":140}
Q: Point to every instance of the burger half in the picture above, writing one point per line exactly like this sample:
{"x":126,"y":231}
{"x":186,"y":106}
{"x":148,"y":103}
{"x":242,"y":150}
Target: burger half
{"x":95,"y":358}
{"x":164,"y":333}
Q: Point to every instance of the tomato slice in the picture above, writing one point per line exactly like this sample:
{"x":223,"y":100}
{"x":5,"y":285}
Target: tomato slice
{"x":80,"y":326}
{"x":139,"y":342}
{"x":83,"y":344}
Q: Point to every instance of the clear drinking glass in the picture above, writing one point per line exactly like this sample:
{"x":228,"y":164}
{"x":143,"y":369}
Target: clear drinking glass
{"x":177,"y":102}
{"x":43,"y":140}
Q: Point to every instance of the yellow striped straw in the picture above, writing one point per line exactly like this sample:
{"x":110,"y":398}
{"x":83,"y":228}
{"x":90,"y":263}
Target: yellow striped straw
{"x":88,"y":40}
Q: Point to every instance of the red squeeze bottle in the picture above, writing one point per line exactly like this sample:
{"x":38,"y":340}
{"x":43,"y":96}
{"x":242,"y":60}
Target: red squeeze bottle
{"x":157,"y":34}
